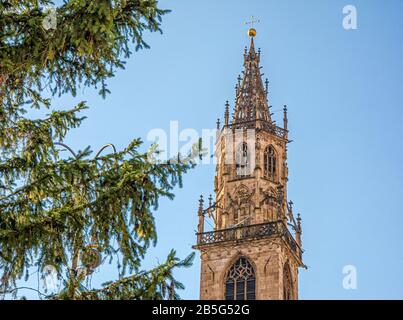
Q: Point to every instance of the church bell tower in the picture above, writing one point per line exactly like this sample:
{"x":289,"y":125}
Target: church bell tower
{"x":253,"y":248}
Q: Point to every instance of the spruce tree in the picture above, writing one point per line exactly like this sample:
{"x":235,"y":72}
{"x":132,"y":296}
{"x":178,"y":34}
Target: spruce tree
{"x":70,"y":211}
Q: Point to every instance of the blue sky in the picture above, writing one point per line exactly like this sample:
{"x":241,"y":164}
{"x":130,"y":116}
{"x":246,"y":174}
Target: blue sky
{"x":343,"y":90}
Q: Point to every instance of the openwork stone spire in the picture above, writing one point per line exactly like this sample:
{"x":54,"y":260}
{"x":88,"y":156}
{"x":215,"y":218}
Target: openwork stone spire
{"x":251,"y":99}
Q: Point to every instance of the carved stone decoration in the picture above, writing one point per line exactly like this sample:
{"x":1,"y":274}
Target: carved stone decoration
{"x":258,"y":145}
{"x":242,"y":192}
{"x":269,"y":197}
{"x":280,"y":201}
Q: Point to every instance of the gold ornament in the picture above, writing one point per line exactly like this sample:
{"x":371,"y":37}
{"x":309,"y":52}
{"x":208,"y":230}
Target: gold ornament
{"x":252,"y":32}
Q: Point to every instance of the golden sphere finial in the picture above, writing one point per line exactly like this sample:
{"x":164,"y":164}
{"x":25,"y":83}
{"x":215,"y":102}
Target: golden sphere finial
{"x":252,"y":32}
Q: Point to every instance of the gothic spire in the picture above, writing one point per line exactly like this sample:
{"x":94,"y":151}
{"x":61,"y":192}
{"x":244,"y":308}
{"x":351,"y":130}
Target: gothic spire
{"x":251,"y":100}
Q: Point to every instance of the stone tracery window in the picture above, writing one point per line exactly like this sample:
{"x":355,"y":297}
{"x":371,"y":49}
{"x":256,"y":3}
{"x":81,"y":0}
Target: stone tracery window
{"x":240,"y":281}
{"x":270,"y":163}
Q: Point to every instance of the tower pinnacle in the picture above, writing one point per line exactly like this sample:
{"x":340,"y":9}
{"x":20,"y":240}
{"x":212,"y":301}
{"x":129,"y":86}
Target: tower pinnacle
{"x":251,"y":101}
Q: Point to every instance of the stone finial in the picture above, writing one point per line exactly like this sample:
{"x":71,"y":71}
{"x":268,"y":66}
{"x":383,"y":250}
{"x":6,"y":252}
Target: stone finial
{"x":226,"y":116}
{"x":285,"y":119}
{"x":200,"y":227}
{"x":299,"y":223}
{"x":299,"y":231}
{"x":201,"y":205}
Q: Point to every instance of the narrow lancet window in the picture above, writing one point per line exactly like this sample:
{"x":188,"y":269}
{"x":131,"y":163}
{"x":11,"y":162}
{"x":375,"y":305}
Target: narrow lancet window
{"x":242,"y":161}
{"x":270,"y":163}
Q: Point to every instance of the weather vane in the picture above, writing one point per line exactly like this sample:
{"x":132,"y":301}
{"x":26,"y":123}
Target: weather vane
{"x":252,"y":31}
{"x":252,"y":21}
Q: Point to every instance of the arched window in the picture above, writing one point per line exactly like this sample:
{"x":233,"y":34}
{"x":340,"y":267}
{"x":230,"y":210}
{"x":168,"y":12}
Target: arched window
{"x":270,"y":163}
{"x":242,"y":161}
{"x":240,"y":281}
{"x":287,"y":283}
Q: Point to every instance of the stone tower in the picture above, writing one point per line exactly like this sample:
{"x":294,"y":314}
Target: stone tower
{"x":253,"y":250}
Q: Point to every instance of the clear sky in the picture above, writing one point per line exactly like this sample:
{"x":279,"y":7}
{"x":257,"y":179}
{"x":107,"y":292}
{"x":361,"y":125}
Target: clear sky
{"x":344,"y":92}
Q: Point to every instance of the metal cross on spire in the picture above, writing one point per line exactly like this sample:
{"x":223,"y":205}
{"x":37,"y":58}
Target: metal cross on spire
{"x":252,"y":21}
